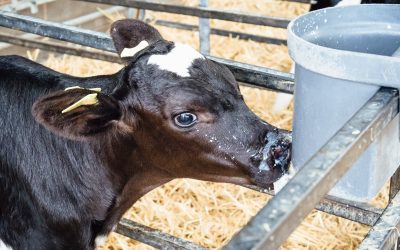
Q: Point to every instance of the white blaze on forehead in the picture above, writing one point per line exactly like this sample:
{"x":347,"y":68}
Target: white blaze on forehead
{"x":178,"y":60}
{"x":3,"y":246}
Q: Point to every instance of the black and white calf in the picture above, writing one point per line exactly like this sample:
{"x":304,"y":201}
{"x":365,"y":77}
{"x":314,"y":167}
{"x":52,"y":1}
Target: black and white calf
{"x":76,"y":153}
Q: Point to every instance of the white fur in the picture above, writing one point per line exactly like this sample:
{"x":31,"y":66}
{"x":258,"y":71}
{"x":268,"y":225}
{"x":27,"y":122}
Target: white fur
{"x":3,"y":246}
{"x":100,"y":240}
{"x":178,"y":60}
{"x":130,"y":52}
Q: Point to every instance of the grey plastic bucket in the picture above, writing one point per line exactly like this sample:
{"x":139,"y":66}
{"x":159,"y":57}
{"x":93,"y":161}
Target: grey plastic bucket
{"x":342,"y":56}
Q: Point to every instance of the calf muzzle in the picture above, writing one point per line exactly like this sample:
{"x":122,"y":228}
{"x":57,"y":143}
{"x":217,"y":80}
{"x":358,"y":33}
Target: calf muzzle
{"x":280,"y":153}
{"x":276,"y":152}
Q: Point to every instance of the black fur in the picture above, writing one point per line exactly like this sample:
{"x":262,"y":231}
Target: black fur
{"x":45,"y":207}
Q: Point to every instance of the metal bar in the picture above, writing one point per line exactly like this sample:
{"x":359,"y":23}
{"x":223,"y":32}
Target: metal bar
{"x":354,"y":211}
{"x":131,"y":13}
{"x":358,"y":212}
{"x":220,"y":32}
{"x":259,"y":76}
{"x":249,"y":74}
{"x":76,"y":21}
{"x":204,"y":31}
{"x":56,"y":30}
{"x":394,"y":184}
{"x":384,"y":234}
{"x":153,"y":237}
{"x":275,"y":222}
{"x":142,"y":14}
{"x":136,"y":13}
{"x":23,"y":5}
{"x":92,"y":16}
{"x":204,"y":12}
{"x":58,"y":48}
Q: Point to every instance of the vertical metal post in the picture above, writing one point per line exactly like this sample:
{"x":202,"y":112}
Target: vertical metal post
{"x":204,"y":31}
{"x":142,"y":13}
{"x":131,"y":13}
{"x":136,"y":13}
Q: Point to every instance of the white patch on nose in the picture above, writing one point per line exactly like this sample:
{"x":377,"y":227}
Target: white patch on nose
{"x":178,"y":60}
{"x":99,"y":241}
{"x":3,"y":246}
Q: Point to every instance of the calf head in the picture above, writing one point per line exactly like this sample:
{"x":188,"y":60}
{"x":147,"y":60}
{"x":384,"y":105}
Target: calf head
{"x":184,"y":114}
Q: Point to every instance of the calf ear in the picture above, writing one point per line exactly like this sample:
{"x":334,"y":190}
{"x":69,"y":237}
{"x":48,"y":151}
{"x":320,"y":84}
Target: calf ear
{"x":60,"y":113}
{"x":131,"y":36}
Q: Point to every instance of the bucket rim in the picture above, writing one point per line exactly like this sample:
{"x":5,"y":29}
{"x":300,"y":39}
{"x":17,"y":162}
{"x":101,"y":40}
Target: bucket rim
{"x":308,"y":54}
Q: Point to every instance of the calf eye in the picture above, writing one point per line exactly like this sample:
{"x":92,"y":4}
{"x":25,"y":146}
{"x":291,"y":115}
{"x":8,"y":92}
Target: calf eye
{"x":185,"y":120}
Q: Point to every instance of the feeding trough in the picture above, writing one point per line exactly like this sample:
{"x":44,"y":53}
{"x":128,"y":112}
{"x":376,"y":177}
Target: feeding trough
{"x":343,"y":55}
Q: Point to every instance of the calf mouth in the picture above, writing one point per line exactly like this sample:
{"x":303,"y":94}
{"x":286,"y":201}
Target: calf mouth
{"x":276,"y":158}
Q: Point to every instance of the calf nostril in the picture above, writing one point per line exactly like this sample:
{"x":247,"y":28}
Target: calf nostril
{"x":280,"y":154}
{"x":277,"y":151}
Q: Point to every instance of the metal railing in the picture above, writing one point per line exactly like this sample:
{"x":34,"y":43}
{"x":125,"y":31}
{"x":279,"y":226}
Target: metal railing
{"x":307,"y":190}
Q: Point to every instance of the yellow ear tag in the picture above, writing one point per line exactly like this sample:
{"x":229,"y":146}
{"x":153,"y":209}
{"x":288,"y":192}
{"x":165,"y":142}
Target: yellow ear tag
{"x":90,"y":99}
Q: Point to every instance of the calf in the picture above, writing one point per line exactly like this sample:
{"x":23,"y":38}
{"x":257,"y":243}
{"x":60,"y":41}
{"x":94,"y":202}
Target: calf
{"x":74,"y":159}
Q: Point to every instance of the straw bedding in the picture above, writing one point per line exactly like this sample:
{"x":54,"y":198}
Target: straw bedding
{"x":210,"y":213}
